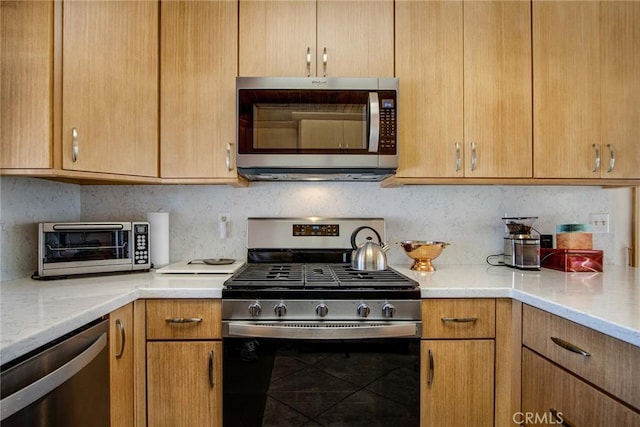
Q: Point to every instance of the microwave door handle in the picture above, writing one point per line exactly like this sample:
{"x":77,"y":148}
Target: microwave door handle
{"x":374,"y":122}
{"x":82,"y":227}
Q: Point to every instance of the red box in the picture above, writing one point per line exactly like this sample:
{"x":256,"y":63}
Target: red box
{"x":573,"y":260}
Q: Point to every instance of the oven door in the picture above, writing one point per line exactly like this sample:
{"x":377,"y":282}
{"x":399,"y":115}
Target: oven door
{"x":297,"y":381}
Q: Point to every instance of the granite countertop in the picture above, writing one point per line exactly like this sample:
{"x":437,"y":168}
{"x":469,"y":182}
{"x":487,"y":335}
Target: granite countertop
{"x":33,"y":313}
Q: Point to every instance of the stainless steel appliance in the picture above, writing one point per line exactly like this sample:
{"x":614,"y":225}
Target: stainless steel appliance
{"x":317,"y":128}
{"x":521,"y":246}
{"x":309,"y":339}
{"x":67,"y":248}
{"x":64,"y":384}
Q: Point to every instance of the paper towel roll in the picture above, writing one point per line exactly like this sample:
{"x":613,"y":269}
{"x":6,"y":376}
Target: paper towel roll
{"x":159,"y":236}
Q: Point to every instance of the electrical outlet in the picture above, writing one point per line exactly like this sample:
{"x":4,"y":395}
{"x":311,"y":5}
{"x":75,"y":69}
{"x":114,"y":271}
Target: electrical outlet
{"x":224,"y":217}
{"x":599,"y":222}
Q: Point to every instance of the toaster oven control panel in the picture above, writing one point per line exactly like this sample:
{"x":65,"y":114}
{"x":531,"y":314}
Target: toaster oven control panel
{"x":141,"y":243}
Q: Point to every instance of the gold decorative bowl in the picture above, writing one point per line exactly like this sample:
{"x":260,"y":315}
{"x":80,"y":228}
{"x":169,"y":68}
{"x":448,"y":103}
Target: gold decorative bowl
{"x":422,"y":252}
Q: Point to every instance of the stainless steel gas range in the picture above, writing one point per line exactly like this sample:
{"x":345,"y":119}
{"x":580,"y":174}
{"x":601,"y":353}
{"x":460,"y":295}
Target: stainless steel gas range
{"x":308,"y":339}
{"x":298,"y":283}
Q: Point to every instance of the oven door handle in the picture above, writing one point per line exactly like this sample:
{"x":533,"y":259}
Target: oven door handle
{"x":323,"y":331}
{"x":34,"y":391}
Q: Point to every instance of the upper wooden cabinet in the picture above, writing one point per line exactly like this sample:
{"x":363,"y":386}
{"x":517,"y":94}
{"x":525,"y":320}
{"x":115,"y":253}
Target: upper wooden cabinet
{"x":465,"y":89}
{"x":297,"y":38}
{"x":586,"y":89}
{"x":198,"y":65}
{"x":110,"y":87}
{"x":26,"y":84}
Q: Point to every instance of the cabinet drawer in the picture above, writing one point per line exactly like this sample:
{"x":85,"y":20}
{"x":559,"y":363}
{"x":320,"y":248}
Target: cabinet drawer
{"x":458,"y":318}
{"x":611,"y":364}
{"x":183,"y":319}
{"x":546,"y":388}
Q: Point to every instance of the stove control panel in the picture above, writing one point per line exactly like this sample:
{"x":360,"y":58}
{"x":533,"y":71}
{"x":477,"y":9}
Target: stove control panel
{"x":295,"y":309}
{"x":325,"y":230}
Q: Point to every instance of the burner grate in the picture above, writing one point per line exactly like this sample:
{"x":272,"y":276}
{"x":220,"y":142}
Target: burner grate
{"x":316,"y":276}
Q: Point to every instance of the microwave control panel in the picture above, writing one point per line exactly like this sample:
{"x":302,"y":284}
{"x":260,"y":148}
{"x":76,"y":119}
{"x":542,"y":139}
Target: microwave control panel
{"x":388,"y":121}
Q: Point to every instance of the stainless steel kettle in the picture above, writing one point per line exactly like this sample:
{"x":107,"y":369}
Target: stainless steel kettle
{"x":369,"y":256}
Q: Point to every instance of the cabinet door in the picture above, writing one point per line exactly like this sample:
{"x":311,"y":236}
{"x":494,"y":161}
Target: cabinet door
{"x":110,"y":87}
{"x":551,"y":396}
{"x":457,"y":378}
{"x":184,"y":383}
{"x":566,"y":89}
{"x":198,"y":67}
{"x":497,"y":89}
{"x":358,"y":38}
{"x":429,"y":65}
{"x":121,"y":366}
{"x":274,"y":37}
{"x":26,"y":61}
{"x":621,"y":89}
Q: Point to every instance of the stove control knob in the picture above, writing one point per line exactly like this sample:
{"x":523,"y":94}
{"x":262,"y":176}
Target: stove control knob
{"x":280,"y":309}
{"x":363,"y":310}
{"x":322,"y":310}
{"x":255,"y":309}
{"x":388,"y":310}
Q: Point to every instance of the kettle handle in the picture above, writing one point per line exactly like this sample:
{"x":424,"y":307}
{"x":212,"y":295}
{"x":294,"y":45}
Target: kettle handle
{"x":357,"y":230}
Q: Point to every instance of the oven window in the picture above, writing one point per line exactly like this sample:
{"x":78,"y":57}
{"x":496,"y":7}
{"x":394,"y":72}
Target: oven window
{"x":70,"y":246}
{"x":270,"y":382}
{"x":303,"y":121}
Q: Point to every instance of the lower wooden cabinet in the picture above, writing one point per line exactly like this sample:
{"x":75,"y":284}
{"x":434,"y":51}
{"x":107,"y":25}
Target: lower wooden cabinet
{"x":457,"y":378}
{"x":184,"y":383}
{"x":552,"y":396}
{"x":121,"y":372}
{"x":457,"y":362}
{"x":184,"y":363}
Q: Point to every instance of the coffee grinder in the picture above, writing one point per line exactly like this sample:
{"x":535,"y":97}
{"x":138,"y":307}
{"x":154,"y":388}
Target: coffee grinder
{"x":521,"y":247}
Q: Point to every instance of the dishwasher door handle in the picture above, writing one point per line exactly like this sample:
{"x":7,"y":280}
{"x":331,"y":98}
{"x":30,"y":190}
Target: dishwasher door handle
{"x":34,"y":391}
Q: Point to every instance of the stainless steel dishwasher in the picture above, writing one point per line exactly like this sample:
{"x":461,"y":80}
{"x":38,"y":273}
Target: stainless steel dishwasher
{"x":66,"y":383}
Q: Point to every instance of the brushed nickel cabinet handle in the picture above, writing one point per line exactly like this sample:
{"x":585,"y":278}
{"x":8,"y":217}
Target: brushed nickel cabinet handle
{"x":324,"y":62}
{"x":184,"y":320}
{"x":596,"y":162}
{"x":74,"y":145}
{"x":460,"y":319}
{"x":228,"y":157}
{"x":458,"y":157}
{"x":570,"y":347}
{"x":432,"y":369}
{"x":308,"y":62}
{"x":120,"y":327}
{"x":559,"y":418}
{"x":612,"y":158}
{"x":474,"y":156}
{"x":211,"y":383}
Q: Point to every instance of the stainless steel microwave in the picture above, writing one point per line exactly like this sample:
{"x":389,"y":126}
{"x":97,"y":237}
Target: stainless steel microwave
{"x":317,"y":128}
{"x":67,"y":248}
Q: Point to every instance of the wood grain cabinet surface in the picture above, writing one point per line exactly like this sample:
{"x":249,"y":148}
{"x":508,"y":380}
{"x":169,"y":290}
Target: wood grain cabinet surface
{"x":603,"y":361}
{"x":121,"y":367}
{"x":586,"y":89}
{"x":110,"y":87}
{"x":465,"y":89}
{"x":198,"y":66}
{"x":296,"y":38}
{"x":26,"y":84}
{"x":184,"y":363}
{"x":457,"y":373}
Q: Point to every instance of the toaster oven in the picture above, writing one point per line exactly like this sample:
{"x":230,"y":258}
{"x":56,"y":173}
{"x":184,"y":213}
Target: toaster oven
{"x":68,"y":248}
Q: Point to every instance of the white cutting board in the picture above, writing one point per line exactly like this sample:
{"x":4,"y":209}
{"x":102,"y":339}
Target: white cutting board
{"x":183,"y":267}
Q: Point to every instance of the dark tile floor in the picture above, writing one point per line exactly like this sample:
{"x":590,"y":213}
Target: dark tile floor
{"x":343,"y":388}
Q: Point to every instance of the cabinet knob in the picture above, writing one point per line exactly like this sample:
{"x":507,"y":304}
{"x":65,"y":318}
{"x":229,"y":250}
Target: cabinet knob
{"x":612,"y":158}
{"x":596,"y":161}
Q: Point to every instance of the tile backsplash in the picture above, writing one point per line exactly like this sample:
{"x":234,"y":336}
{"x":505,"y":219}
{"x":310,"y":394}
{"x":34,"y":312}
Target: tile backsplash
{"x":466,"y":216}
